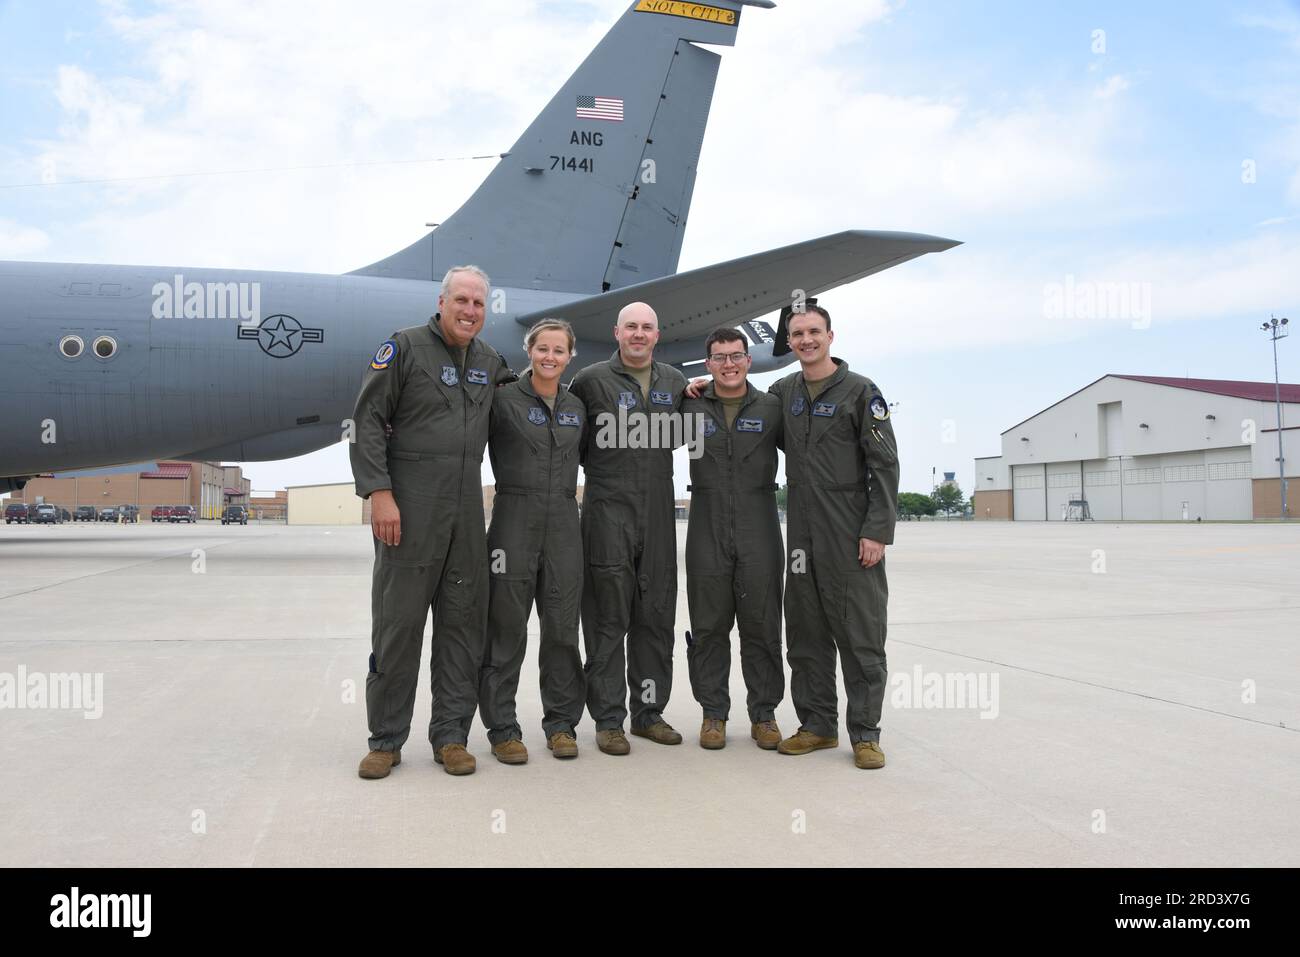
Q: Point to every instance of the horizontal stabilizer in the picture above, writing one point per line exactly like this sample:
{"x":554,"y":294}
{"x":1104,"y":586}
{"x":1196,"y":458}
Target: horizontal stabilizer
{"x":692,"y":304}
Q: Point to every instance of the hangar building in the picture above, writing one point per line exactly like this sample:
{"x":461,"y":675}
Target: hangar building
{"x":1147,"y":448}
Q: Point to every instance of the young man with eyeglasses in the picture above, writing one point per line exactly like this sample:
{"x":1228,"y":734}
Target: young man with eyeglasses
{"x":733,"y":545}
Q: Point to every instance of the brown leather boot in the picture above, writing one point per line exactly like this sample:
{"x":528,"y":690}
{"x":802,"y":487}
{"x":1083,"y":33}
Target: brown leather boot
{"x":613,"y":741}
{"x":766,"y":735}
{"x":377,"y":764}
{"x":563,"y":745}
{"x":510,"y":752}
{"x":805,"y":742}
{"x":661,"y":732}
{"x":868,"y":756}
{"x":455,"y":759}
{"x":713,"y":734}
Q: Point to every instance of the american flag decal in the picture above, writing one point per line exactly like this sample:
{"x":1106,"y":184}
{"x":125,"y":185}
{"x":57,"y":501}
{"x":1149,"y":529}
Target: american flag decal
{"x":600,"y":108}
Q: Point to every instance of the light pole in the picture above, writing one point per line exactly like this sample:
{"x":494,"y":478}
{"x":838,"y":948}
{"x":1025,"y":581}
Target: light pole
{"x":1277,"y":329}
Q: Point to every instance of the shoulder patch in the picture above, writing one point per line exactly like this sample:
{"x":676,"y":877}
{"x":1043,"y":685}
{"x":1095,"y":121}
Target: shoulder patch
{"x":384,"y":355}
{"x":879,"y":408}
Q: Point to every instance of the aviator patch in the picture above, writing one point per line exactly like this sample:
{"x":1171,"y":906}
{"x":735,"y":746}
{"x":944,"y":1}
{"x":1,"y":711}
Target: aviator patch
{"x":749,"y":425}
{"x":661,"y":398}
{"x":627,"y":400}
{"x":476,"y":376}
{"x":825,"y":408}
{"x":536,"y":416}
{"x":879,"y":409}
{"x":568,"y":418}
{"x":449,"y":375}
{"x":797,"y":406}
{"x":384,"y":355}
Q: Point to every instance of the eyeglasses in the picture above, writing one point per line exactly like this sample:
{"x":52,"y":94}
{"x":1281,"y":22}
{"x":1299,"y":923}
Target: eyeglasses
{"x":735,"y":358}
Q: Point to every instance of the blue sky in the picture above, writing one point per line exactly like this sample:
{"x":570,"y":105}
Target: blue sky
{"x":1002,"y":125}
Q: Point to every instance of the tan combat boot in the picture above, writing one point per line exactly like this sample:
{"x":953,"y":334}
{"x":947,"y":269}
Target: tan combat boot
{"x":661,"y":732}
{"x":377,"y":764}
{"x":766,"y":735}
{"x":713,"y":734}
{"x":563,"y":745}
{"x":613,"y":741}
{"x":867,"y":755}
{"x":805,"y":742}
{"x":510,"y":752}
{"x":455,"y":759}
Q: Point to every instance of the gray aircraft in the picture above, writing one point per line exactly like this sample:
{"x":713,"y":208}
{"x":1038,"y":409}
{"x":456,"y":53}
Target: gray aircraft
{"x":103,"y":365}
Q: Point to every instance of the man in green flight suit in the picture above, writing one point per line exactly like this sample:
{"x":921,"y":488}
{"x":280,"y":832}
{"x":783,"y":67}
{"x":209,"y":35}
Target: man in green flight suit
{"x":629,"y":532}
{"x":842,"y":470}
{"x":421,"y":425}
{"x":733,"y":545}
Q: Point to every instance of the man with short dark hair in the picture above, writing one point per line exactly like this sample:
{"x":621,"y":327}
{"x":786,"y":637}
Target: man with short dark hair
{"x":733,"y":545}
{"x":842,"y":472}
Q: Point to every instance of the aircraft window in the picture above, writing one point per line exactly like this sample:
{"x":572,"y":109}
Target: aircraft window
{"x":71,"y":346}
{"x":79,"y":289}
{"x":110,"y":289}
{"x":105,"y":347}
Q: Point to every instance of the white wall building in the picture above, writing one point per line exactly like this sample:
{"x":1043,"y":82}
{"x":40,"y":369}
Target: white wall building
{"x":1148,"y":448}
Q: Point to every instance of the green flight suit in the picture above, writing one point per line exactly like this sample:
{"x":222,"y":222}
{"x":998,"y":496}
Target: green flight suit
{"x":629,"y":538}
{"x":534,"y":551}
{"x":421,"y":424}
{"x":733,"y":555}
{"x":841,"y":464}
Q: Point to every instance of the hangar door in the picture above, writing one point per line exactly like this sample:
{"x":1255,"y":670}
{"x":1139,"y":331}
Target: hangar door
{"x":1029,"y":488}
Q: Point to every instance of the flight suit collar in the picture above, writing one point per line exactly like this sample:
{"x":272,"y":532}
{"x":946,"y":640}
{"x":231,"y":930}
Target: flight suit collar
{"x":711,"y":394}
{"x":616,"y":363}
{"x":841,"y":370}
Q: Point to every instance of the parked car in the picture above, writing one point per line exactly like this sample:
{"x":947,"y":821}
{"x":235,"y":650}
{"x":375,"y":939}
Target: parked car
{"x":160,"y":513}
{"x":183,"y":513}
{"x":47,"y":515}
{"x":234,"y":515}
{"x":84,"y":513}
{"x":128,"y":513}
{"x":108,"y":514}
{"x":16,"y":513}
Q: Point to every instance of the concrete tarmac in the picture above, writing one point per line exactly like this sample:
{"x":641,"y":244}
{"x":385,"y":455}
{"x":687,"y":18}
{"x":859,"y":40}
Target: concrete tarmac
{"x":1082,"y":694}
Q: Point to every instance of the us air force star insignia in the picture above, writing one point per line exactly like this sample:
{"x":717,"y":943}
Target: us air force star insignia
{"x":536,"y":416}
{"x":627,"y":400}
{"x":709,"y":427}
{"x":797,"y":406}
{"x":280,"y":336}
{"x":384,"y":355}
{"x":476,"y":376}
{"x":449,"y":375}
{"x":879,"y":410}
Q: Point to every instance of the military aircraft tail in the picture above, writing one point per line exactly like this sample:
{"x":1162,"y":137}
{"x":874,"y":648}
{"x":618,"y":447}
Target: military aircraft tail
{"x":595,"y":195}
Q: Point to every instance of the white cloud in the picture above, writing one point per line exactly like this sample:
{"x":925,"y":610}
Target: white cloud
{"x":19,"y":242}
{"x":1113,"y":85}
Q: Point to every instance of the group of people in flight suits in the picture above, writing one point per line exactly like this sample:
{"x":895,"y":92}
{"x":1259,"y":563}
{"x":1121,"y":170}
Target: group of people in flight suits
{"x":435,"y":398}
